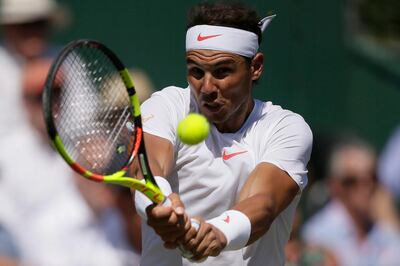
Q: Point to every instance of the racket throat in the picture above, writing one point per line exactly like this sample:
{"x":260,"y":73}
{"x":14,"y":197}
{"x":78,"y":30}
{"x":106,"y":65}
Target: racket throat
{"x":146,"y":168}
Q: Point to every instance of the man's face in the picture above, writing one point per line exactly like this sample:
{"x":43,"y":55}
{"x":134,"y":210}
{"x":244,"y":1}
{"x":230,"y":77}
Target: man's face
{"x":356,"y":180}
{"x":29,"y":40}
{"x":221,"y":83}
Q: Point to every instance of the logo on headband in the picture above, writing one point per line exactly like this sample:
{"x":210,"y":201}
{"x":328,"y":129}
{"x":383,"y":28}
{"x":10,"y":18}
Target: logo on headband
{"x":205,"y":37}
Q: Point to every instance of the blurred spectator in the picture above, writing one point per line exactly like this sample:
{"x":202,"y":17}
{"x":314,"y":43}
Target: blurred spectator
{"x":350,"y":225}
{"x":122,"y":228}
{"x":144,"y":86}
{"x":26,"y":28}
{"x":389,"y":165}
{"x":49,"y":219}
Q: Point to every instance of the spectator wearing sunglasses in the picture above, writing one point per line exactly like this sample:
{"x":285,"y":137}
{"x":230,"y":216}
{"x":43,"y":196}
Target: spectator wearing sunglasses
{"x":358,"y":224}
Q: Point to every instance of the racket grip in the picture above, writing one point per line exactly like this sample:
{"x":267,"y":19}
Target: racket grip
{"x":167,"y":202}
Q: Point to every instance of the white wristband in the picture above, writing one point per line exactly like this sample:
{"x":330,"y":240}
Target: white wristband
{"x":236,"y":227}
{"x":142,"y":202}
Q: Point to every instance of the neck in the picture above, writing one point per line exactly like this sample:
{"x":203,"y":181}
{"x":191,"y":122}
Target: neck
{"x":363,"y":224}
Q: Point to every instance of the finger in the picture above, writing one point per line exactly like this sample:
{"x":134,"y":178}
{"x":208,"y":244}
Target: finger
{"x":163,"y":217}
{"x":203,"y":253}
{"x":202,"y":232}
{"x":158,"y":211}
{"x":208,"y":246}
{"x":191,"y":230}
{"x":178,"y":207}
{"x":170,"y":234}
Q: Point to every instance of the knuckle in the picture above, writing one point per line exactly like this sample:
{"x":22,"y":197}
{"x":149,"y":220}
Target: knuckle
{"x":208,"y":227}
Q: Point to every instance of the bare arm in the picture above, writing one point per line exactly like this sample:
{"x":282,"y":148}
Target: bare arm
{"x":160,"y":153}
{"x":170,"y":222}
{"x":266,"y":193}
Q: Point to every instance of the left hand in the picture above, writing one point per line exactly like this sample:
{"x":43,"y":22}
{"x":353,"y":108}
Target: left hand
{"x":208,"y":241}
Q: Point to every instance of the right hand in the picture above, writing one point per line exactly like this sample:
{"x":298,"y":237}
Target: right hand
{"x":207,"y":241}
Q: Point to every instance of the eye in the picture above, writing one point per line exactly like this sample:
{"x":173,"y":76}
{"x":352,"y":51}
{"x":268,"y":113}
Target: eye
{"x":222,"y":72}
{"x":195,"y":72}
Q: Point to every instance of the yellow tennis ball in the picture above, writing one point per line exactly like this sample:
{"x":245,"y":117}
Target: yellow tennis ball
{"x":193,"y":129}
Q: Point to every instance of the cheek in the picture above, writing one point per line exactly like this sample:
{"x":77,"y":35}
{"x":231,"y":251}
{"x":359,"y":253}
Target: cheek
{"x":235,"y":90}
{"x":194,"y":86}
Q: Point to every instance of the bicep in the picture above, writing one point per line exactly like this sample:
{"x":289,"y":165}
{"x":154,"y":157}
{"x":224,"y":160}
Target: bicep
{"x":160,"y":155}
{"x":160,"y":152}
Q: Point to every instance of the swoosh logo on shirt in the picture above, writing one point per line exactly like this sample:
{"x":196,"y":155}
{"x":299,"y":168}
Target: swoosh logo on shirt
{"x":227,"y":219}
{"x":227,"y":156}
{"x":205,"y":37}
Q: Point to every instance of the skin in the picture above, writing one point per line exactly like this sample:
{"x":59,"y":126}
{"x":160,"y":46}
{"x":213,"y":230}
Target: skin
{"x":28,"y":40}
{"x":33,"y":78}
{"x":222,"y":84}
{"x":353,"y":183}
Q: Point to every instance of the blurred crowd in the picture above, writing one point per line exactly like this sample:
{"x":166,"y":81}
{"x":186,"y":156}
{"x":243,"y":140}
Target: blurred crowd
{"x":49,"y":215}
{"x":349,"y":214}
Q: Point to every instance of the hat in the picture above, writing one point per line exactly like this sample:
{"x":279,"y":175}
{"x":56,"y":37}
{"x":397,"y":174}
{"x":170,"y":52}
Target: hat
{"x":25,"y":11}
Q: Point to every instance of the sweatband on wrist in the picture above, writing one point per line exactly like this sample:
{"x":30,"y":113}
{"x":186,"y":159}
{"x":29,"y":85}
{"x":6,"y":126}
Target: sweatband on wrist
{"x":236,"y":227}
{"x":142,"y":202}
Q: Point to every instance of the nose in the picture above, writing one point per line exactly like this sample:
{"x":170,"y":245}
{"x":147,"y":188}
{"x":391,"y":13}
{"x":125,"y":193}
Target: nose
{"x":208,"y":85}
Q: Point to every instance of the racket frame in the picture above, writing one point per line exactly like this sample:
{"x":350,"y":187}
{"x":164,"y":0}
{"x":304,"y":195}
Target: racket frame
{"x":149,"y":187}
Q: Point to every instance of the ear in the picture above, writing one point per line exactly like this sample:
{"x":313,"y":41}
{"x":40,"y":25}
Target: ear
{"x":257,"y":66}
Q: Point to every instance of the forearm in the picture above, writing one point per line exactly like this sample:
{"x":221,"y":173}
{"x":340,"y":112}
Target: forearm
{"x":261,"y":210}
{"x":266,"y":193}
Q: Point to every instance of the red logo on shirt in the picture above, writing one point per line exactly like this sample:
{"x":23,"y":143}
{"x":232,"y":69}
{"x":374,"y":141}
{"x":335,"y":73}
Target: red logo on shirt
{"x":227,"y":219}
{"x":205,"y":37}
{"x":227,"y":156}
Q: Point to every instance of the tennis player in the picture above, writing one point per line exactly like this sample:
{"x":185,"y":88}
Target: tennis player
{"x":244,"y":182}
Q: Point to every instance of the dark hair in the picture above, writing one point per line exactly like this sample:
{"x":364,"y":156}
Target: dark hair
{"x":228,"y":14}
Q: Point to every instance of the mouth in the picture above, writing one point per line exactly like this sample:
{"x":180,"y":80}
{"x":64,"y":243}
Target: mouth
{"x":212,"y":107}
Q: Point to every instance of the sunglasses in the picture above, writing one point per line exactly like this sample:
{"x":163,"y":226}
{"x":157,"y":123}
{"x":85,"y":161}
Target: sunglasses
{"x":352,"y":181}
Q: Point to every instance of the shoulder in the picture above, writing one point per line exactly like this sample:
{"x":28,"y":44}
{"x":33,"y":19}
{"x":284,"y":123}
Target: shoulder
{"x":278,"y":122}
{"x":163,"y":110}
{"x":172,"y":93}
{"x":170,"y":99}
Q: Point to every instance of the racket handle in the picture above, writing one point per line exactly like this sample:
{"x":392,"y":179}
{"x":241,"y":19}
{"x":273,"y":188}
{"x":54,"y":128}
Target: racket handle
{"x":167,"y":202}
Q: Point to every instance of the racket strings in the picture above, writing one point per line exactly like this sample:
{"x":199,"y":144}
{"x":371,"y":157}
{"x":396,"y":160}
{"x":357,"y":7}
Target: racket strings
{"x":92,"y":113}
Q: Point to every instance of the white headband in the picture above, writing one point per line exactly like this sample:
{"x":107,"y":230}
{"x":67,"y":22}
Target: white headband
{"x":225,"y":39}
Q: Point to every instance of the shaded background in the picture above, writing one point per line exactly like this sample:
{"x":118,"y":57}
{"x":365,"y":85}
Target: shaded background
{"x":315,"y":65}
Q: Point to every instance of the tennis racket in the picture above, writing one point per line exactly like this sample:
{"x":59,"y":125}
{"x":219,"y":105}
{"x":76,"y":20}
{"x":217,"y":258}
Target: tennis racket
{"x":92,"y":114}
